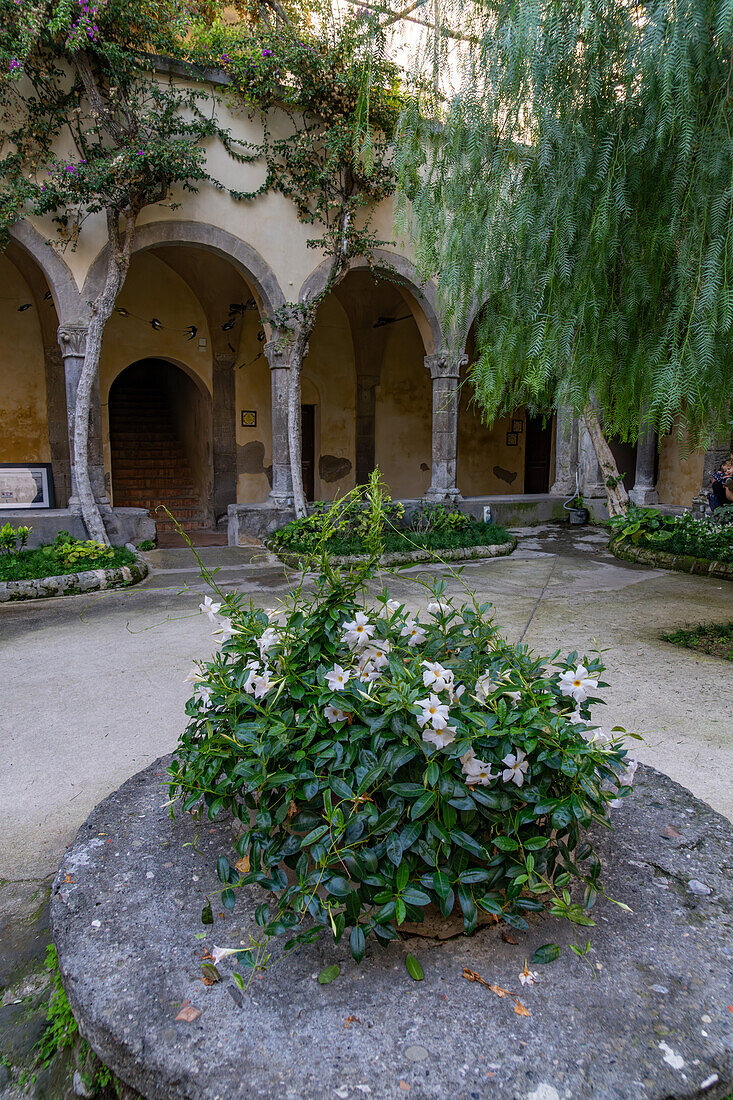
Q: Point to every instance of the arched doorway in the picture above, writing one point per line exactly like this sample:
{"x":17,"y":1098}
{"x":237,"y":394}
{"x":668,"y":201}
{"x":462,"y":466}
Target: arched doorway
{"x":160,"y":442}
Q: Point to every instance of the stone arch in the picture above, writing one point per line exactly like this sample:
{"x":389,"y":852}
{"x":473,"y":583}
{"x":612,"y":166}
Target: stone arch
{"x":420,"y":297}
{"x":69,"y":303}
{"x":242,"y":256}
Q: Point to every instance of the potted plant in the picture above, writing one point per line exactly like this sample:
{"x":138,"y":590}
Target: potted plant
{"x":578,"y":511}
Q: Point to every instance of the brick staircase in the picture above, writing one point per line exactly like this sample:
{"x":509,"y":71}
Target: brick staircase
{"x":149,"y":465}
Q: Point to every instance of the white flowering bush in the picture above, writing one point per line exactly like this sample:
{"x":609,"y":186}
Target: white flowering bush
{"x":382,"y":761}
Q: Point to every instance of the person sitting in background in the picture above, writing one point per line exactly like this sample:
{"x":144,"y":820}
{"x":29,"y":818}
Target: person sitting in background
{"x":722,"y":488}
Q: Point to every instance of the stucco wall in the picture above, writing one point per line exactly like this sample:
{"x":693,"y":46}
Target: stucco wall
{"x":487,"y":466}
{"x":404,"y":399}
{"x":252,"y":393}
{"x":680,"y":471}
{"x":23,"y":413}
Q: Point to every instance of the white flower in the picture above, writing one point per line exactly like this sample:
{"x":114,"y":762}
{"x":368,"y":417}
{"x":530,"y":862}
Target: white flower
{"x":267,"y":639}
{"x":371,"y":662}
{"x":575,"y":716}
{"x":515,"y":696}
{"x":477,"y":772}
{"x":204,"y":692}
{"x":193,"y":675}
{"x":226,"y":633}
{"x":600,"y":737}
{"x":626,"y":778}
{"x":433,"y":711}
{"x":210,"y":609}
{"x":220,"y":953}
{"x":337,"y":678}
{"x":436,"y":676}
{"x":484,"y":686}
{"x":439,"y":607}
{"x":261,"y":684}
{"x":334,"y":714}
{"x":527,"y":976}
{"x":516,"y":767}
{"x":358,"y":632}
{"x":454,"y":694}
{"x":413,"y":631}
{"x":393,"y":606}
{"x":441,"y":738}
{"x":577,"y":683}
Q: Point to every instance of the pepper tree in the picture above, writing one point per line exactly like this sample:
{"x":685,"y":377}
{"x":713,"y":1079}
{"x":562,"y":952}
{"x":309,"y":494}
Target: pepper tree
{"x":580,"y":186}
{"x":327,"y":76}
{"x":90,"y":129}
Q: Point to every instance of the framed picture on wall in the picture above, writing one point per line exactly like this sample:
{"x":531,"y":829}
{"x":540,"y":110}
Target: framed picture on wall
{"x":26,"y":485}
{"x":517,"y":425}
{"x":512,"y":439}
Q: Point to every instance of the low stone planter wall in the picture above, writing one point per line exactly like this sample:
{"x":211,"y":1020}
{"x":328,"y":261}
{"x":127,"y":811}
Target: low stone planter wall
{"x":412,"y":557}
{"x":683,"y":563}
{"x":71,"y":584}
{"x":653,"y":1025}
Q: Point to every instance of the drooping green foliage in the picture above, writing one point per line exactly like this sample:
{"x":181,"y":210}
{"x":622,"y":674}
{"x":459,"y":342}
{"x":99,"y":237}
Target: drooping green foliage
{"x":581,"y":186}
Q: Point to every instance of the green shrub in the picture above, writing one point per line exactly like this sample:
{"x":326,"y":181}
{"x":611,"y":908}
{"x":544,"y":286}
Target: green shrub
{"x":65,"y":555}
{"x":13,"y":539}
{"x":342,"y":525}
{"x":709,"y":537}
{"x":380,"y":761}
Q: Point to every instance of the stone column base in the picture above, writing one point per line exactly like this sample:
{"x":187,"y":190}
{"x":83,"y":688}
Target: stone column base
{"x":643,"y":497}
{"x":443,"y":496}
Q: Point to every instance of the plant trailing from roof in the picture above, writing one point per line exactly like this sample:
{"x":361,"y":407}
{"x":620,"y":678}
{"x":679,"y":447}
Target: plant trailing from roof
{"x":382,"y":760}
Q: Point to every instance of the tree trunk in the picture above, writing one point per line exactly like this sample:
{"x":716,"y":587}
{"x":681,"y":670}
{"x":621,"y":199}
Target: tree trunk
{"x":118,"y":263}
{"x":618,"y":498}
{"x":294,"y":417}
{"x":339,"y":267}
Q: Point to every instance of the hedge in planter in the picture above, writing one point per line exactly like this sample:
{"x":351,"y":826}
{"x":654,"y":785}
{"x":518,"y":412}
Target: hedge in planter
{"x":392,"y":760}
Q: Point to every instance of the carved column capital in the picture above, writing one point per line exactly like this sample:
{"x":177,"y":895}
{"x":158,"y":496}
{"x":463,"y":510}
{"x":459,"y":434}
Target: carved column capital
{"x":446,"y":364}
{"x":72,"y":339}
{"x":278,"y":352}
{"x":224,"y":360}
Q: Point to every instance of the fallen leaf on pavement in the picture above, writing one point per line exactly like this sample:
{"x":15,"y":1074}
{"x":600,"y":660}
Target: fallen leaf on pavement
{"x":209,"y":974}
{"x":509,"y":938}
{"x":521,"y":1010}
{"x":189,"y":1013}
{"x":242,"y":865}
{"x":671,"y":831}
{"x":352,"y":1020}
{"x":472,"y":976}
{"x":404,"y":1086}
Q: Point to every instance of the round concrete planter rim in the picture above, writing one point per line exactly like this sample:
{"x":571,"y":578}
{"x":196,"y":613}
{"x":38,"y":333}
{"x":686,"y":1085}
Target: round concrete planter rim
{"x":72,"y":584}
{"x":409,"y":557}
{"x":663,"y":559}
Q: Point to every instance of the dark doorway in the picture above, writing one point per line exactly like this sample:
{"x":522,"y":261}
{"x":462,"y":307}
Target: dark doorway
{"x":308,"y":448}
{"x":537,"y":455}
{"x":159,"y":430}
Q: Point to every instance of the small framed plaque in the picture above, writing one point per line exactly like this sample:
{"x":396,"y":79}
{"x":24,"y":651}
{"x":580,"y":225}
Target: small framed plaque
{"x":26,"y":485}
{"x":249,"y":418}
{"x":517,"y":426}
{"x":512,"y":439}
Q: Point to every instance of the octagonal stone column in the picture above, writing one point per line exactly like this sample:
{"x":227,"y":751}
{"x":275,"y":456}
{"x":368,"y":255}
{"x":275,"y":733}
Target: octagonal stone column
{"x":278,"y":356}
{"x":72,"y":341}
{"x":445,"y":369}
{"x":644,"y":491}
{"x":566,"y":452}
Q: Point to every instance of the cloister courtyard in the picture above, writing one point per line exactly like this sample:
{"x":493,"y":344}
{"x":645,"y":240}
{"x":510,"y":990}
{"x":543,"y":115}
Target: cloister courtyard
{"x":94,"y":691}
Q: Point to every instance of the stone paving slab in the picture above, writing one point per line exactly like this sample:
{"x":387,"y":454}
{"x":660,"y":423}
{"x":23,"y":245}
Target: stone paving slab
{"x":645,"y":1018}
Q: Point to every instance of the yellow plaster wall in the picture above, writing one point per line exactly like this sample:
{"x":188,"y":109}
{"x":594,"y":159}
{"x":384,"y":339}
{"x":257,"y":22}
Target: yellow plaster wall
{"x":330,"y":383}
{"x":23,"y":411}
{"x":483,"y":454}
{"x":680,"y":471}
{"x":404,"y":399}
{"x":252,"y":392}
{"x":151,"y":290}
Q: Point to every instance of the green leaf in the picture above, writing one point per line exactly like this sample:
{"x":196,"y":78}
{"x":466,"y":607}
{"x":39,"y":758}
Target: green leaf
{"x":505,"y":843}
{"x":441,"y":884}
{"x":314,"y":835}
{"x":414,"y":969}
{"x":400,"y":910}
{"x":534,"y":843}
{"x":357,"y":943}
{"x":207,"y":917}
{"x":547,"y":953}
{"x":329,"y":973}
{"x":394,"y":848}
{"x":422,"y":805}
{"x":340,"y":788}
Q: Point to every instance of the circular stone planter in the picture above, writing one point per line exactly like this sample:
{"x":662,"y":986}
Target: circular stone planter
{"x":645,"y":1017}
{"x":71,"y":584}
{"x":411,"y":557}
{"x":683,"y":563}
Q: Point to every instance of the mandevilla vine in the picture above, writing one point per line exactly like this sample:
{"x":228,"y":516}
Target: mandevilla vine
{"x":381,"y":761}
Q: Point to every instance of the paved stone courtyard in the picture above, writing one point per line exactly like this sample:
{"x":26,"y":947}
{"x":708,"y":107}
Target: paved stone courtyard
{"x":93,"y":689}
